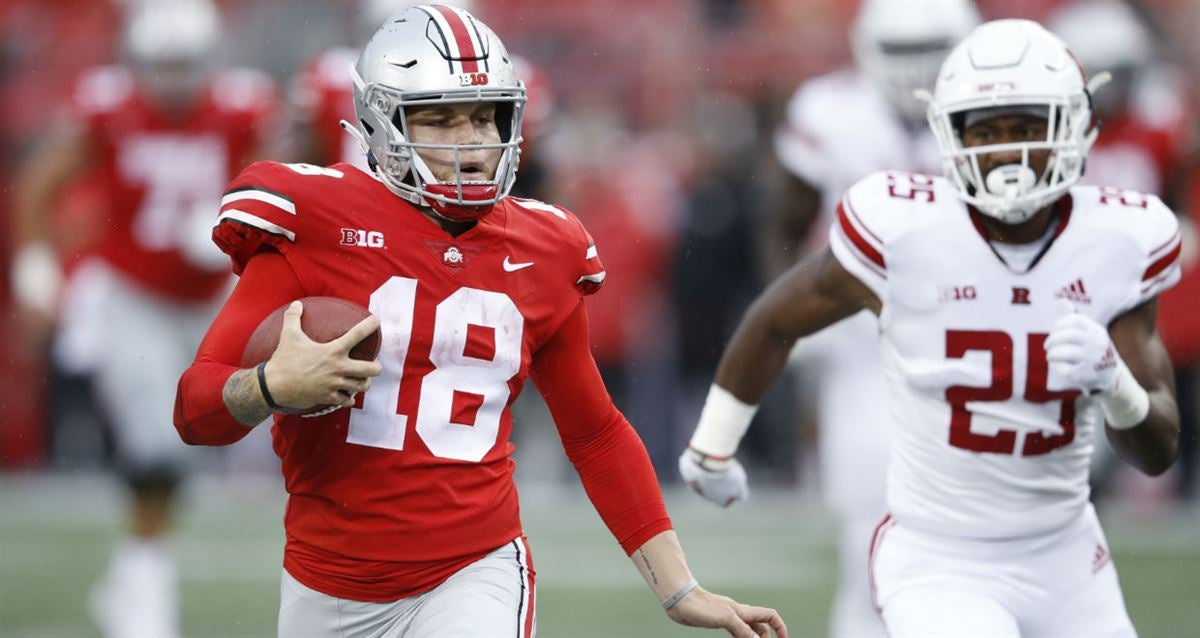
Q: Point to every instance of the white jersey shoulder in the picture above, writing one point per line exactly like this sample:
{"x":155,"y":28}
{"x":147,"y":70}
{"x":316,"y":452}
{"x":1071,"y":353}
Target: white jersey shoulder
{"x":825,"y":125}
{"x":104,"y":88}
{"x":1135,"y":224}
{"x":880,"y":210}
{"x":838,"y":128}
{"x":334,"y":65}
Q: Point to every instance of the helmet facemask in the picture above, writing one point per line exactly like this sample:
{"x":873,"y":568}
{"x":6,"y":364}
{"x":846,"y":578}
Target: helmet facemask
{"x":1013,"y":67}
{"x":398,"y":162}
{"x":1013,"y":193}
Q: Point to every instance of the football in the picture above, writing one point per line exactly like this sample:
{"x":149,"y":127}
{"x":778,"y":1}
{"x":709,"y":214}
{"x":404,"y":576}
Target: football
{"x":324,"y":319}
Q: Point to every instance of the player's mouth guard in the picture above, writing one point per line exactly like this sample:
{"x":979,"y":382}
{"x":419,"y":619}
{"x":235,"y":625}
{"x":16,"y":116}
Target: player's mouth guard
{"x":1011,"y":180}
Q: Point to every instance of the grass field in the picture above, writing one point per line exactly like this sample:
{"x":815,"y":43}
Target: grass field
{"x":777,"y":550}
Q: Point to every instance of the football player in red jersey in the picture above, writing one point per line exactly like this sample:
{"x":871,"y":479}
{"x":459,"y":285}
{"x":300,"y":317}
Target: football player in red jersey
{"x":165,"y":133}
{"x":403,"y":516}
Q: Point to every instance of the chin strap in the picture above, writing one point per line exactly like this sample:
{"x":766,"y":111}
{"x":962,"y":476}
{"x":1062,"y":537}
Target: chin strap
{"x":1096,"y":83}
{"x":357,"y":135}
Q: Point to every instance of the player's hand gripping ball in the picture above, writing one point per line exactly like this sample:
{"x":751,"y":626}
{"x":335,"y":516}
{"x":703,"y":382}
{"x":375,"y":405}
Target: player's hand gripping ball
{"x":324,"y":319}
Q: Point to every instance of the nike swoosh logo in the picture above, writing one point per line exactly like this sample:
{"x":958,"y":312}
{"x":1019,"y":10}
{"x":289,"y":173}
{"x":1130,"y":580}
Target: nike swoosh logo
{"x":511,"y":267}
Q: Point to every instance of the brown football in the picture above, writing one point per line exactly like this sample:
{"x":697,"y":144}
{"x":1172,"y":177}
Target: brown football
{"x":324,"y":319}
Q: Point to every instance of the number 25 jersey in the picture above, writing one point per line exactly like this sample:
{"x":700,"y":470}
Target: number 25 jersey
{"x":988,"y":442}
{"x":391,"y":496}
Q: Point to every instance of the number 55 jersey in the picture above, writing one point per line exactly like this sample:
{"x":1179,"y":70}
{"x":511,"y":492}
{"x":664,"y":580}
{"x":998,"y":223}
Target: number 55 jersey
{"x":391,"y":496}
{"x":987,"y":441}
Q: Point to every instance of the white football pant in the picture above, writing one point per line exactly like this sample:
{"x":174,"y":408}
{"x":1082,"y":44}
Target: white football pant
{"x":491,"y":598}
{"x":1054,"y":585}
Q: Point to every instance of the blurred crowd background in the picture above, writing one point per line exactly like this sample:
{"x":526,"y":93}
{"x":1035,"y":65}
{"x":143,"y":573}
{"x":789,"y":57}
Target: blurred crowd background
{"x":660,"y":123}
{"x":653,"y":121}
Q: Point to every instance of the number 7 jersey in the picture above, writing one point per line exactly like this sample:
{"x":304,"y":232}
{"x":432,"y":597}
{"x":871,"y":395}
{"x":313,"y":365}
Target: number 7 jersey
{"x":987,"y":441}
{"x":391,"y":496}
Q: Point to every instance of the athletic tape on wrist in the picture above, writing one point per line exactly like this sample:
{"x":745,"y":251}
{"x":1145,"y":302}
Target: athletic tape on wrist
{"x":1127,"y":404}
{"x":723,"y":422}
{"x":674,"y":599}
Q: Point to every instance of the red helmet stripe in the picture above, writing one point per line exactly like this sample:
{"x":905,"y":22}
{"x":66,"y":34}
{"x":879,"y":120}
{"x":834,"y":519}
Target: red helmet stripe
{"x":466,"y":47}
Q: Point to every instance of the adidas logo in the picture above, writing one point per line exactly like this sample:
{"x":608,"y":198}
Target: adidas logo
{"x":1074,"y":292}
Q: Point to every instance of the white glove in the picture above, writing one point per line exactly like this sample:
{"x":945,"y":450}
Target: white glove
{"x":195,"y":239}
{"x":723,"y":484}
{"x":36,"y":277}
{"x":1080,"y":351}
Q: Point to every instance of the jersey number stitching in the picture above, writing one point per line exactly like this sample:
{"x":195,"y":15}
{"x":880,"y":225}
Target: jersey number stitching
{"x":379,"y":422}
{"x":1000,"y":345}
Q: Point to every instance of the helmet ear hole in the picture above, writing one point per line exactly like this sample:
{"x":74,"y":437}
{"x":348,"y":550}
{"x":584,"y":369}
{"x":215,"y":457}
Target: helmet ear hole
{"x":504,"y":120}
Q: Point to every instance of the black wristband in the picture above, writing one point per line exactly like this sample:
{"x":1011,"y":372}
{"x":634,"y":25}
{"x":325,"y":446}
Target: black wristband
{"x":262,"y":386}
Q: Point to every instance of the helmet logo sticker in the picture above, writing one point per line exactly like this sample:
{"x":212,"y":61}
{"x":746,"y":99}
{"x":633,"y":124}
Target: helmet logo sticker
{"x":472,"y":79}
{"x":997,"y":87}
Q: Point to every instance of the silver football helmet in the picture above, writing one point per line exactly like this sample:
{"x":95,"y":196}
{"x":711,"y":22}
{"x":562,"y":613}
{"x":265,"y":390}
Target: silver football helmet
{"x":1013,"y":66}
{"x":428,"y":55}
{"x":900,"y":46}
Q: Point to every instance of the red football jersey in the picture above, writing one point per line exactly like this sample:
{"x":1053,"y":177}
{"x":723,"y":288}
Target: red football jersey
{"x":157,"y":171}
{"x":416,"y":480}
{"x":323,"y":97}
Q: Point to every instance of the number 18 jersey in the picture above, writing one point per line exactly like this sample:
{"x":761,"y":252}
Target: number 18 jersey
{"x":987,"y":441}
{"x":390,"y":497}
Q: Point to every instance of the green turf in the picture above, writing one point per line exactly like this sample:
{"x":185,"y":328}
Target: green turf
{"x":777,"y":550}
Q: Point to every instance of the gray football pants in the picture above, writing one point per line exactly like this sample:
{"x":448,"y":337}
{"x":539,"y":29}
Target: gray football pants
{"x":490,"y":598}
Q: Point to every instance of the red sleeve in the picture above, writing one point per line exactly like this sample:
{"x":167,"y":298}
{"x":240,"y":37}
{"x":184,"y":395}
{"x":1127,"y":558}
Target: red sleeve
{"x":267,"y":283}
{"x":603,"y":447}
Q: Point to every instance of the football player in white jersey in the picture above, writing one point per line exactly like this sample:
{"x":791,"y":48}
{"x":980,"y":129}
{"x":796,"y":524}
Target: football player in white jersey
{"x":839,"y":128}
{"x":1016,"y":319}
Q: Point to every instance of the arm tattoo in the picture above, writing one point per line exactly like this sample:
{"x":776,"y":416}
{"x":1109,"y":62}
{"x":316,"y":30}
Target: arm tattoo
{"x":650,"y":569}
{"x":243,"y":400}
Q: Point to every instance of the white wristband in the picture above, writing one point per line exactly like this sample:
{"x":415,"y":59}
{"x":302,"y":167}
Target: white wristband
{"x":723,"y":422}
{"x":674,"y":599}
{"x":1127,"y":403}
{"x":36,"y":276}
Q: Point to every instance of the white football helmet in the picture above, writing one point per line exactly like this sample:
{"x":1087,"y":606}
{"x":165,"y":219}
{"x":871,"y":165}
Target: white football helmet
{"x":1107,"y":35}
{"x":171,"y":45}
{"x":1104,"y":34}
{"x":426,"y":55}
{"x":1018,"y":66}
{"x":901,"y":45}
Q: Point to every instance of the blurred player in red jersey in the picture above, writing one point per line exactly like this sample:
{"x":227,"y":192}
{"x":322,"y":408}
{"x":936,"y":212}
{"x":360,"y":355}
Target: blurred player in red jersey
{"x":403,"y":516}
{"x":165,"y":132}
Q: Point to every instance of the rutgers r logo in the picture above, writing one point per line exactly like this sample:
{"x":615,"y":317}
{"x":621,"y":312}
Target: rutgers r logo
{"x":1020,"y":296}
{"x":362,"y":238}
{"x":472,"y":79}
